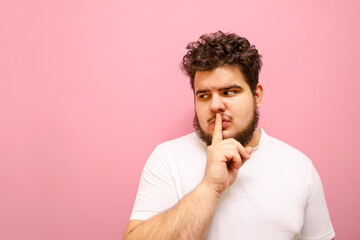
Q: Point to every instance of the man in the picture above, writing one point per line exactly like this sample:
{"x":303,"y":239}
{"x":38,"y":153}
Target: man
{"x":229,"y":180}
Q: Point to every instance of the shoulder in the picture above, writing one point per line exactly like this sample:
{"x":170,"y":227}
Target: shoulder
{"x":188,"y":142}
{"x":184,"y":147}
{"x":178,"y":155}
{"x":284,"y":151}
{"x":288,"y":161}
{"x":166,"y":154}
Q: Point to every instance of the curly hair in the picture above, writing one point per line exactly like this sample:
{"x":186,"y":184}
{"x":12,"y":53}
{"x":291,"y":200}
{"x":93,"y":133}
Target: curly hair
{"x":222,"y":49}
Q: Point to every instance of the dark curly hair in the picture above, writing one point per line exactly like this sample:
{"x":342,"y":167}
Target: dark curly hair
{"x":222,"y":49}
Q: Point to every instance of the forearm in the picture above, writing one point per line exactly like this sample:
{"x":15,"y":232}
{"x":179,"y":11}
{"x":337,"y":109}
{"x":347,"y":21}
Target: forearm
{"x":189,"y":219}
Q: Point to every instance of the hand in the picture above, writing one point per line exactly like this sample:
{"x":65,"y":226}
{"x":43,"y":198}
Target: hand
{"x":224,"y":159}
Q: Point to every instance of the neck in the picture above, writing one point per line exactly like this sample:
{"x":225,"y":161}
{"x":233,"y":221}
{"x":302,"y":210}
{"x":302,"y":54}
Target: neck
{"x":255,"y":139}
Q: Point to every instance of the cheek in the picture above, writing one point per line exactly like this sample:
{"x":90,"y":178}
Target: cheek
{"x":243,"y":112}
{"x":202,"y":115}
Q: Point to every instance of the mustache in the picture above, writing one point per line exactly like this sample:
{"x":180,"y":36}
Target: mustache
{"x":223,"y":116}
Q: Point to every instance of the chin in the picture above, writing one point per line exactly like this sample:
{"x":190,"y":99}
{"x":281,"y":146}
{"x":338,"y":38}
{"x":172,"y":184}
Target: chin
{"x":228,"y":134}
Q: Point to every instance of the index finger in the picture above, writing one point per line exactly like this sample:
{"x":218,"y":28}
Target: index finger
{"x":217,"y":134}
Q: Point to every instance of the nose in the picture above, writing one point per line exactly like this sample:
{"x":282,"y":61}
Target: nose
{"x":217,"y":104}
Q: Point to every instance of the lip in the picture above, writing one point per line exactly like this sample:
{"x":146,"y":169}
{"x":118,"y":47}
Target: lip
{"x":225,"y":123}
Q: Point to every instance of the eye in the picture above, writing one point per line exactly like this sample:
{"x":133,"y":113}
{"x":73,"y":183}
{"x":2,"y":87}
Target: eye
{"x":204,"y":96}
{"x":229,"y":93}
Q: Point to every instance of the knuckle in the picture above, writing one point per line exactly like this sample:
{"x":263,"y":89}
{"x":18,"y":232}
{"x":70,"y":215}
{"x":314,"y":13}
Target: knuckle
{"x":211,"y":149}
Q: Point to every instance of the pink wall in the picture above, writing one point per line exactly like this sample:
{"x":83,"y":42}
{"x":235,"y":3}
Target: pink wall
{"x":88,"y":88}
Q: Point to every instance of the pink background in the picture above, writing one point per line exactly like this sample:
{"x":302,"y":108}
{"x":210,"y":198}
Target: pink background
{"x":88,"y":88}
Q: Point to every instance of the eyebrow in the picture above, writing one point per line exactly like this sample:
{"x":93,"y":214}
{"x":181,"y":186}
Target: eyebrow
{"x":233,"y":86}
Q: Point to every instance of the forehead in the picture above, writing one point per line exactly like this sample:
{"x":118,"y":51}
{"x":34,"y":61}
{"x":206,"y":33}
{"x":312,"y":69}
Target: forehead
{"x":219,"y":78}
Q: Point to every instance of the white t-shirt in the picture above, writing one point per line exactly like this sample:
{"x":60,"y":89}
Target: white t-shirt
{"x":277,"y":194}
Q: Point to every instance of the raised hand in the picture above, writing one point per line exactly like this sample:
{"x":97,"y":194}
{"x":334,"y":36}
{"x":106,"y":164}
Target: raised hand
{"x":224,"y":159}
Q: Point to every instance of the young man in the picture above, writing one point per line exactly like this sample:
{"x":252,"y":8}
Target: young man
{"x":229,"y":180}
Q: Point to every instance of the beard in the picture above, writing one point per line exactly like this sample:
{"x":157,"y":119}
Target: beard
{"x":244,"y":136}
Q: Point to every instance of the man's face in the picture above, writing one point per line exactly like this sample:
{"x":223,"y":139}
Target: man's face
{"x":226,"y":91}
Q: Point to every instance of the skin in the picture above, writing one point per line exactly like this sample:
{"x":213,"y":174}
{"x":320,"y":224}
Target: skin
{"x":192,"y":216}
{"x":226,"y":91}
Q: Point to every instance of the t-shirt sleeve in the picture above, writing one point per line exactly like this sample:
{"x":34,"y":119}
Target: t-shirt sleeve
{"x":317,"y":224}
{"x":157,"y":189}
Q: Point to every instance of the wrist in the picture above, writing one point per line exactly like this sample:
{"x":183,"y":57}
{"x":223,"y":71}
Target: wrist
{"x":207,"y":189}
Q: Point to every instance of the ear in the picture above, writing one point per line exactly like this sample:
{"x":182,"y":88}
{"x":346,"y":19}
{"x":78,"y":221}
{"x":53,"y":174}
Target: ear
{"x":259,"y":91}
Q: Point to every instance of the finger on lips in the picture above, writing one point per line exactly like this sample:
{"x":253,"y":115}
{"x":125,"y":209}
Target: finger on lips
{"x":242,"y":153}
{"x":217,"y":135}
